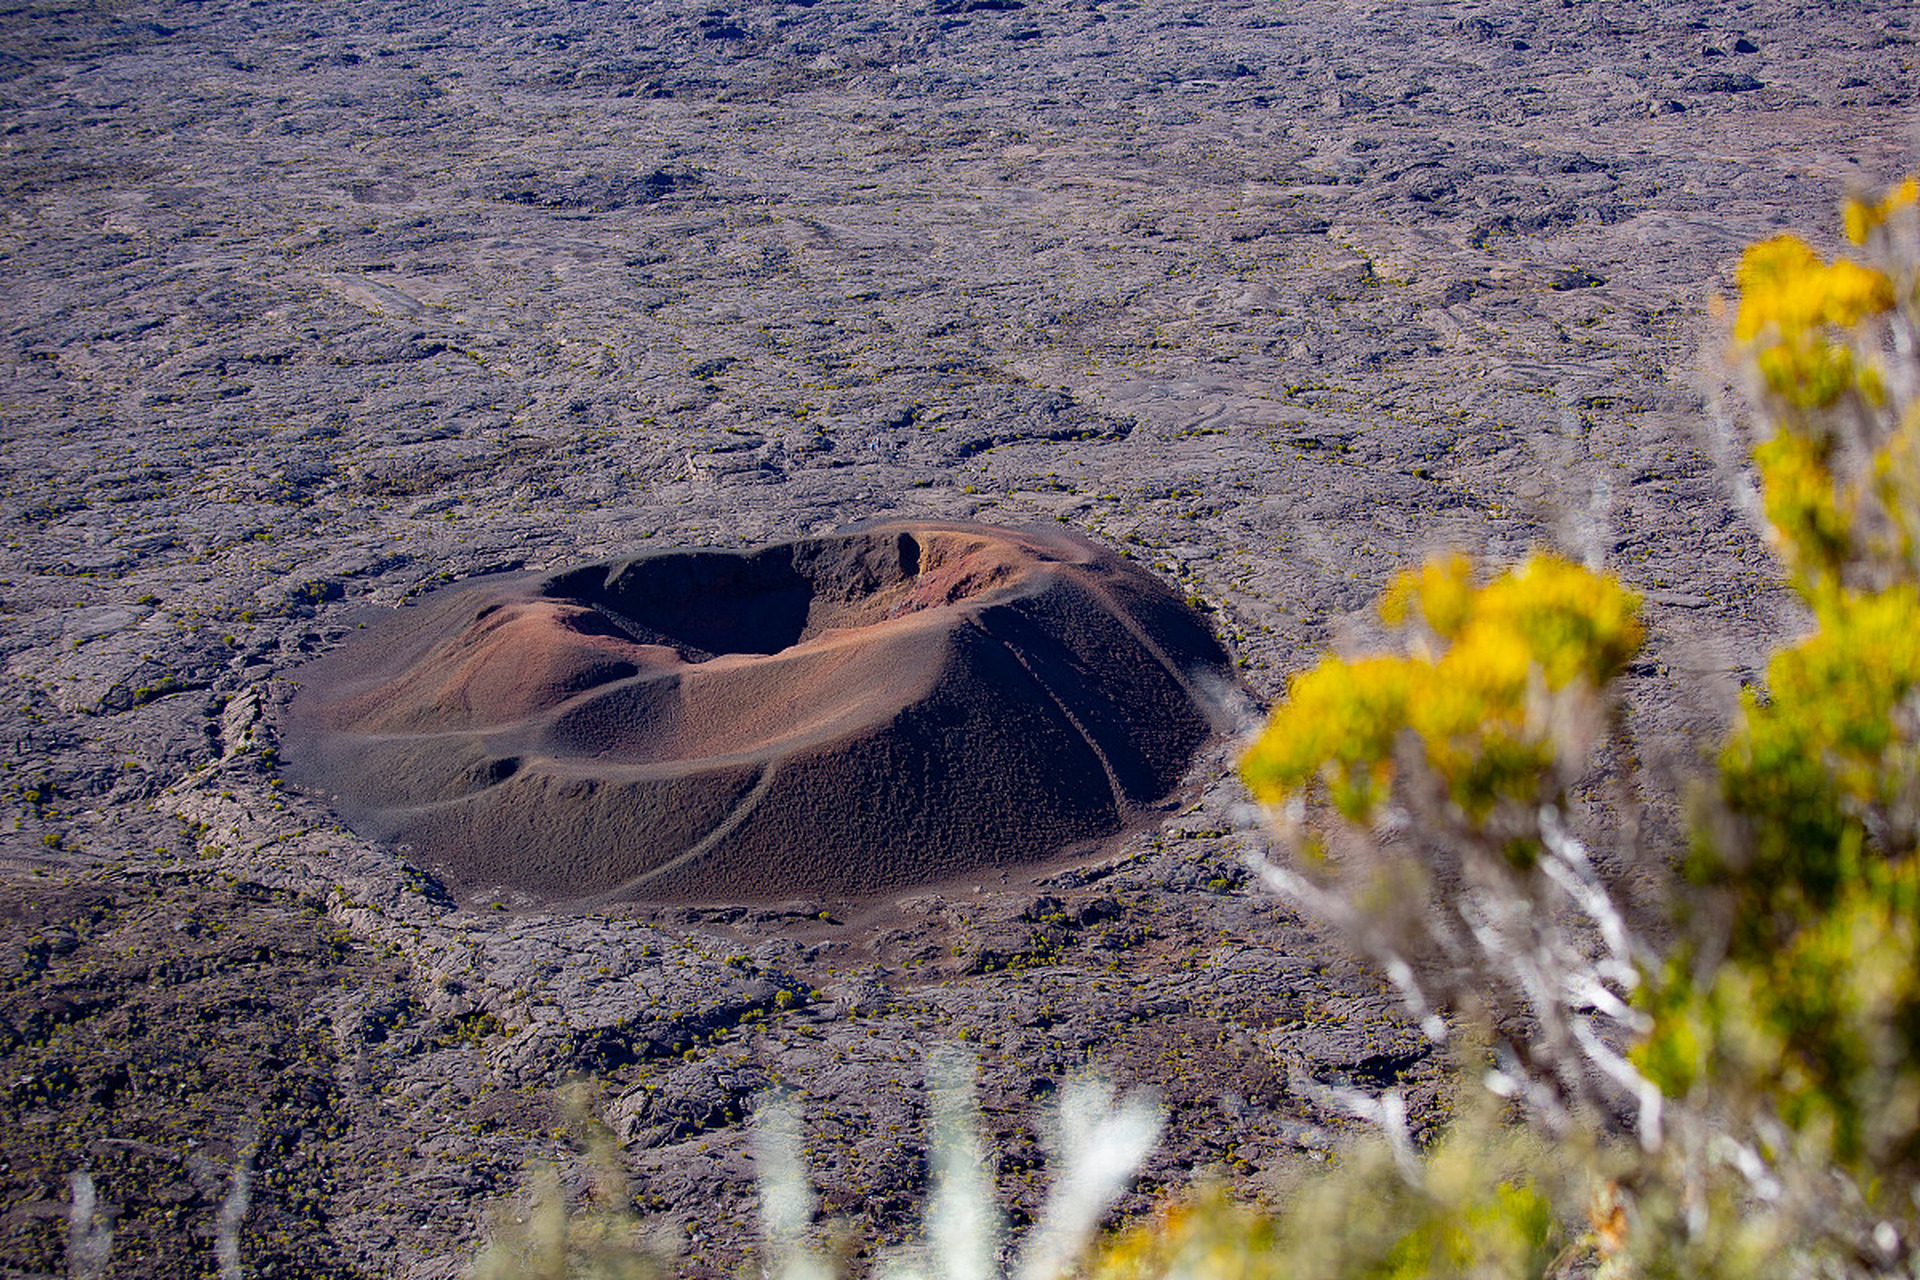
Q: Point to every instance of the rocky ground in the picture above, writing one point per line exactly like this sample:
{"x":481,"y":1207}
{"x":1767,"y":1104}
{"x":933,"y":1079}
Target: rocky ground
{"x":307,"y":309}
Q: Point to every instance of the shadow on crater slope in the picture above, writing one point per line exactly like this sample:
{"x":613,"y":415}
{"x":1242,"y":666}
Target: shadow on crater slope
{"x":842,"y":715}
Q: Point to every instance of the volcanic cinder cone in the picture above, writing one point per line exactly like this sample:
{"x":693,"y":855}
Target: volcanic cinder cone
{"x":837,"y":715}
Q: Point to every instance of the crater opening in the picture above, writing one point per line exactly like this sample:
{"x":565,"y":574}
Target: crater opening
{"x":706,"y":604}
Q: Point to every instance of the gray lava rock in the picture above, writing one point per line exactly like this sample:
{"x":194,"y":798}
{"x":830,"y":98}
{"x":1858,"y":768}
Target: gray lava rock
{"x":315,"y":308}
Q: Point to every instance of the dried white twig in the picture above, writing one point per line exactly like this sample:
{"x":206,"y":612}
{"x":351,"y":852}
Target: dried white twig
{"x":233,"y":1211}
{"x":1100,"y":1143}
{"x":89,"y":1230}
{"x":1547,"y":945}
{"x":786,"y":1199}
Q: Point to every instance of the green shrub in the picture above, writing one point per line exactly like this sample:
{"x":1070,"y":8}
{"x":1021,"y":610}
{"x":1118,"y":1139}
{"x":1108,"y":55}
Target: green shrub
{"x":1475,"y":1205}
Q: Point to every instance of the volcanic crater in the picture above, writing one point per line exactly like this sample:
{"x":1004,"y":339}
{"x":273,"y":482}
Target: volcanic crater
{"x":842,"y":715}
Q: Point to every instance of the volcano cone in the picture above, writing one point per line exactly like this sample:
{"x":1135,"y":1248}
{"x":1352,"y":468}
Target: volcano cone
{"x":841,"y":715}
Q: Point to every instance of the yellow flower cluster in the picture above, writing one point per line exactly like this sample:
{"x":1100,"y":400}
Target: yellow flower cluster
{"x":1791,"y":302}
{"x":1840,"y":518}
{"x":1841,"y":471}
{"x":1813,"y":534}
{"x":1482,"y":695}
{"x":1785,"y":285}
{"x":1861,"y":217}
{"x":1339,"y":724}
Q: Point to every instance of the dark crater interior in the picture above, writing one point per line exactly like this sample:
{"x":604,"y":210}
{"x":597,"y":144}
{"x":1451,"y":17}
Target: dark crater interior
{"x":842,"y":715}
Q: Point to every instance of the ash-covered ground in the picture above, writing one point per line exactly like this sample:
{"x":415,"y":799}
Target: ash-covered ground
{"x":310,"y":308}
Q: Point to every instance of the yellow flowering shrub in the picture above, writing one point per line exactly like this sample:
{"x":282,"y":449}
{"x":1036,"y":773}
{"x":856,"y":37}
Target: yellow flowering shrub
{"x":1773,"y":1044}
{"x":1863,"y":217}
{"x":1791,"y":305}
{"x":1806,"y":878}
{"x":1801,"y":504}
{"x":1478,"y":698}
{"x":1479,"y":1209}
